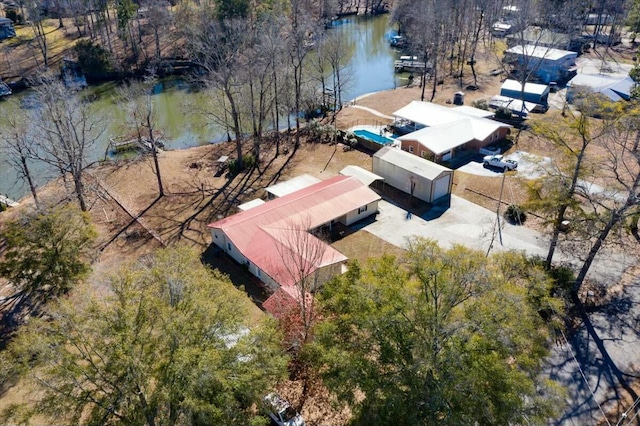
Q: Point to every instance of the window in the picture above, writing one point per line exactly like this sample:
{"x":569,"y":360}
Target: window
{"x":229,"y":246}
{"x":411,"y":149}
{"x":215,"y":236}
{"x":362,"y":210}
{"x":259,"y":272}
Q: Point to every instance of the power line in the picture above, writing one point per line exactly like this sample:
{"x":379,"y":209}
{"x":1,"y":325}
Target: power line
{"x":584,"y":377}
{"x":624,"y":415}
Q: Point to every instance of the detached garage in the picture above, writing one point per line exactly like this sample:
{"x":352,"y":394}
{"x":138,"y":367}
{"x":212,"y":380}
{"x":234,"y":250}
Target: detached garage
{"x":409,"y":173}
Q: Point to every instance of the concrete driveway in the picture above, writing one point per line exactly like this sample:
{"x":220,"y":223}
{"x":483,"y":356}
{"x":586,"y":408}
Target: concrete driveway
{"x":529,"y":166}
{"x":459,"y":222}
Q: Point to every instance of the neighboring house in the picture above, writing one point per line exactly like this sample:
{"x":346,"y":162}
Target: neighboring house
{"x":545,"y":63}
{"x":265,"y":236}
{"x":534,"y":93}
{"x":614,"y":88}
{"x":421,"y":178}
{"x":439,"y":133}
{"x":509,"y":21}
{"x":542,"y":37}
{"x":6,"y":28}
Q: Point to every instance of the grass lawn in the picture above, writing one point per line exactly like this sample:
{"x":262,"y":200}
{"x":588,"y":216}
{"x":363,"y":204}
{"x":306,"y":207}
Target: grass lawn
{"x":363,"y":245}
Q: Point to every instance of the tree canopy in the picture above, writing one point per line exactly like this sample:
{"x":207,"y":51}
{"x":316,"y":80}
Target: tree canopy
{"x":444,"y":337}
{"x":45,"y":253}
{"x":171,"y":343}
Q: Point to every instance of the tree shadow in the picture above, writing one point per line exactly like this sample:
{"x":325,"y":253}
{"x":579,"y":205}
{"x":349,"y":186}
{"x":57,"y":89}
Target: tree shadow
{"x":220,"y":203}
{"x":595,"y":376}
{"x":133,"y":221}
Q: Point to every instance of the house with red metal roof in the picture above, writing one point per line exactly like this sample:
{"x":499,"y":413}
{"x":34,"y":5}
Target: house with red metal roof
{"x":276,"y":240}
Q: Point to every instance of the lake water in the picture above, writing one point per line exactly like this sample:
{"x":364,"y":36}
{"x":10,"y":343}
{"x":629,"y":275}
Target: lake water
{"x":179,"y":121}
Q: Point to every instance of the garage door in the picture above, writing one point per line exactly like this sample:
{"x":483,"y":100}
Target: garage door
{"x":441,"y":187}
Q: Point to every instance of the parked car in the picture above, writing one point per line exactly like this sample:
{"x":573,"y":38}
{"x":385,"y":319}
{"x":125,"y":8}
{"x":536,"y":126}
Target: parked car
{"x":499,"y":162}
{"x":281,"y":412}
{"x":490,"y":150}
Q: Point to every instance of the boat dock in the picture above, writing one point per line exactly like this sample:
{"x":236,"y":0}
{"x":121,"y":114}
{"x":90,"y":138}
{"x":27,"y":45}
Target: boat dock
{"x":409,"y":65}
{"x":121,"y":145}
{"x":8,"y":201}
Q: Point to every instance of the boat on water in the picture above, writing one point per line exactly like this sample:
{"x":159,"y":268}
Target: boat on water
{"x":5,"y":90}
{"x":397,"y":41}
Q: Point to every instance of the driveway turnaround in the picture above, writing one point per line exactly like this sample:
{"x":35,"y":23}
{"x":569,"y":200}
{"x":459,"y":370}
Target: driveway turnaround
{"x":457,"y":222}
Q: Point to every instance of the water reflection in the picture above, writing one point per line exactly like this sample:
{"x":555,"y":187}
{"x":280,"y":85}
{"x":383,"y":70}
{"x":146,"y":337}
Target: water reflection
{"x":179,"y":110}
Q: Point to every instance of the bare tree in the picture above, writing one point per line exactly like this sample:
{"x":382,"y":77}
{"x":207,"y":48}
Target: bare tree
{"x":17,"y":140}
{"x":336,"y":53}
{"x":302,"y":27}
{"x":159,"y":17}
{"x":216,"y":46}
{"x":306,"y":264}
{"x":258,"y":65}
{"x":142,"y":120}
{"x":66,"y":131}
{"x":610,"y":209}
{"x":594,"y":185}
{"x":556,"y":191}
{"x":274,"y":48}
{"x":329,"y":65}
{"x":36,"y":20}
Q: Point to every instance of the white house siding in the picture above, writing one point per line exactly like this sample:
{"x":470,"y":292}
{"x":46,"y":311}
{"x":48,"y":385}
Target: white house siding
{"x":354,"y":216}
{"x":221,"y":240}
{"x":269,"y":282}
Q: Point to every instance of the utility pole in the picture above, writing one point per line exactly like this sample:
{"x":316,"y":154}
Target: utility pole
{"x":493,"y":233}
{"x":504,"y":176}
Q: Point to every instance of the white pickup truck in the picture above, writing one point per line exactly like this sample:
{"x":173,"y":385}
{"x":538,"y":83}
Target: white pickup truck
{"x":499,"y":162}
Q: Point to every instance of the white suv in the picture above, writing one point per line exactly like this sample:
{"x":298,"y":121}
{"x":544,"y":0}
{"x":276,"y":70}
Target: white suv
{"x":281,"y":412}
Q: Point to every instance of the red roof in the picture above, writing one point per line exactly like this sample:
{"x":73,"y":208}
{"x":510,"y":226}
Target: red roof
{"x":267,"y":234}
{"x":281,"y":304}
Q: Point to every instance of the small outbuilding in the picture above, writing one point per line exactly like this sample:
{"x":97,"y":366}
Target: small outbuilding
{"x":364,"y":176}
{"x":409,"y":173}
{"x":286,"y":187}
{"x":534,"y":93}
{"x":6,"y":28}
{"x":517,"y":107}
{"x":545,"y":63}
